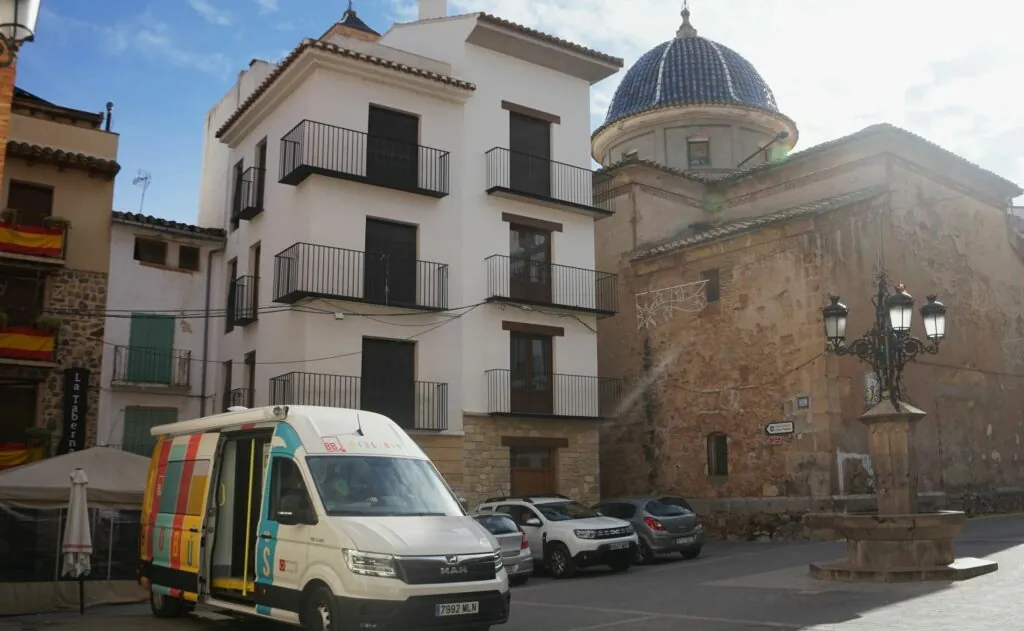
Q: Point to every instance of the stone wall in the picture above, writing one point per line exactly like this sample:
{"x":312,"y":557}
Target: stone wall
{"x":79,"y":344}
{"x":445,"y":451}
{"x":486,"y":462}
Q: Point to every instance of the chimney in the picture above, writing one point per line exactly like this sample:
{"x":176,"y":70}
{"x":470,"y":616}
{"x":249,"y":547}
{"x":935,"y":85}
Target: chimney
{"x":433,"y":9}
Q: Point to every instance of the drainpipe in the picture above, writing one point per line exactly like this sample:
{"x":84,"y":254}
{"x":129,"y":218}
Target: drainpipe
{"x":206,"y":327}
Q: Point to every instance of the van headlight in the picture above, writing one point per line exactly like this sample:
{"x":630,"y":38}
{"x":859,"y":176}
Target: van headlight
{"x":370,"y":563}
{"x":585,"y":534}
{"x":498,"y":564}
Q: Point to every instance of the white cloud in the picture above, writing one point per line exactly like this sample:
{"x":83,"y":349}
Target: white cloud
{"x":210,"y":13}
{"x":151,"y":38}
{"x":267,"y":6}
{"x":943,"y":69}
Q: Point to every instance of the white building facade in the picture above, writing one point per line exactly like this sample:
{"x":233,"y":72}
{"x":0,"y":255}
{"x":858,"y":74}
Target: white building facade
{"x":155,"y":327}
{"x":410,"y":230}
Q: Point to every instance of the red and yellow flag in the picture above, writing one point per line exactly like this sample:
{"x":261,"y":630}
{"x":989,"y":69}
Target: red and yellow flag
{"x":24,"y":343}
{"x":32,"y":240}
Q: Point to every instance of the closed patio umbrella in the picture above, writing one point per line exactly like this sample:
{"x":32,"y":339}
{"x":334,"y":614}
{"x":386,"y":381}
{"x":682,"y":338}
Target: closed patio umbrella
{"x":77,"y":546}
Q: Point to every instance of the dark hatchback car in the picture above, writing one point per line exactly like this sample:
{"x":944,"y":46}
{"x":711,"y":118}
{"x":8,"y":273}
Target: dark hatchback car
{"x":664,"y":524}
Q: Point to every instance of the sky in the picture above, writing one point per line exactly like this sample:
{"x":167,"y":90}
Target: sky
{"x":942,"y":69}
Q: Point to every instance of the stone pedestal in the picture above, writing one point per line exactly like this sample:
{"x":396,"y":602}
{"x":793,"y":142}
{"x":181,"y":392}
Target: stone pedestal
{"x":897,"y":544}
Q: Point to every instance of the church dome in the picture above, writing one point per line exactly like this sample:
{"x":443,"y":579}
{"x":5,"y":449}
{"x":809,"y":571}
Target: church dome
{"x":690,"y":70}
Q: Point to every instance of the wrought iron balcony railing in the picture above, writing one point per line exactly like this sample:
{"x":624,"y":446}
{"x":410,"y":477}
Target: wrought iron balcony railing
{"x":413,"y":405}
{"x":543,"y":179}
{"x":151,"y":366}
{"x":248,"y":196}
{"x":565,"y":396}
{"x":518,"y":279}
{"x":239,"y":396}
{"x":318,"y":148}
{"x":305,"y":270}
{"x":243,"y":300}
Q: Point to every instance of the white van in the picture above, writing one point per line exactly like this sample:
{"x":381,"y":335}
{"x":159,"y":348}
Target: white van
{"x":326,"y":518}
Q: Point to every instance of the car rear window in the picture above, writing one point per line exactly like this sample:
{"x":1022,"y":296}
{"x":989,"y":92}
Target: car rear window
{"x":497,"y":524}
{"x":662,"y":509}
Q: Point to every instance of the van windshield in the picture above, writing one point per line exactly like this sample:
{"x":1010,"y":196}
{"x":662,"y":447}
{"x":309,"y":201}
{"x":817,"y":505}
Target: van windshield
{"x":381,"y":486}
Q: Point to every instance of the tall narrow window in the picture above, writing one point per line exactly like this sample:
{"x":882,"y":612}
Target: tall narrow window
{"x":392,"y":148}
{"x":698,"y":152}
{"x":236,"y":192}
{"x":261,"y":172}
{"x":388,"y":382}
{"x":225,"y":374}
{"x":718,"y":455}
{"x":711,"y":286}
{"x":229,"y":308}
{"x":250,"y":379}
{"x":529,"y":264}
{"x":529,"y":145}
{"x":390,"y":268}
{"x":531,"y":387}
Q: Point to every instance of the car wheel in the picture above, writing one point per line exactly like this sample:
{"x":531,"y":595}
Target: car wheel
{"x":691,"y":553}
{"x":518,"y":580}
{"x":164,"y":606}
{"x":319,"y":614}
{"x":559,"y":562}
{"x":644,"y":554}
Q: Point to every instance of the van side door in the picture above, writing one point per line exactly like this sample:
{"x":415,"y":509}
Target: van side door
{"x":286,"y":526}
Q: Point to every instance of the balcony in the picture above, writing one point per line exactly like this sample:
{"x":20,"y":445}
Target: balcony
{"x":553,"y":395}
{"x":26,"y":336}
{"x":317,"y":148}
{"x":317,"y":271}
{"x":552,"y":184}
{"x":421,"y":405}
{"x":45,"y":244}
{"x":239,"y":397}
{"x":243,"y":300}
{"x":150,"y":367}
{"x":513,"y":279}
{"x":248,"y":199}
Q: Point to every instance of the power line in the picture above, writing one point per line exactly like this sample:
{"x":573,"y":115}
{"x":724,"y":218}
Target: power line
{"x":183,"y":314}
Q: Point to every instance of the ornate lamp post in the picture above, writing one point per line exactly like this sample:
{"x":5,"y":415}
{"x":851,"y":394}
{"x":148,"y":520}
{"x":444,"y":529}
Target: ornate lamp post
{"x":17,"y":25}
{"x":887,"y":346}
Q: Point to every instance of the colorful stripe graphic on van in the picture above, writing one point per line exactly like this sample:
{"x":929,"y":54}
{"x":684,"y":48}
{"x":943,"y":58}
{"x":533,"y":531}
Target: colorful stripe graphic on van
{"x":285,"y":443}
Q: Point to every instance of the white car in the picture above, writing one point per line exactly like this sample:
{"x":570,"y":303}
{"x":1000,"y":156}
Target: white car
{"x":565,"y":535}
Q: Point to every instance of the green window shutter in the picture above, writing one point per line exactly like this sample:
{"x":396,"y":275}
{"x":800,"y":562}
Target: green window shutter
{"x":137,"y":423}
{"x":151,"y":348}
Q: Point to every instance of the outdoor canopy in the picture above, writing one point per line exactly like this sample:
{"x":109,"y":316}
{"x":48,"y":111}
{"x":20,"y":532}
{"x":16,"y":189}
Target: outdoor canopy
{"x":117,"y":480}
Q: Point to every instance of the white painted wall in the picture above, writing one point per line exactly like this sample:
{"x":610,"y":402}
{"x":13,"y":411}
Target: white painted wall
{"x":136,"y":287}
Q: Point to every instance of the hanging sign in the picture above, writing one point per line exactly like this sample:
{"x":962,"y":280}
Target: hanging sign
{"x":76,"y":406}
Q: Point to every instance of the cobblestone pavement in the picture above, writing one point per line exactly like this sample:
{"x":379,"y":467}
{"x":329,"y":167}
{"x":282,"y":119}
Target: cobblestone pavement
{"x":732,"y":587}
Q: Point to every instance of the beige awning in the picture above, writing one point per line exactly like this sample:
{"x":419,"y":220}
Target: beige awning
{"x":117,"y":480}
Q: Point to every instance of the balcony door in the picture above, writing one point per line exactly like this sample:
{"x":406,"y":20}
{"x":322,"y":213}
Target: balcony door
{"x":529,"y":143}
{"x":532,"y":381}
{"x":388,"y":383}
{"x":389,"y":266}
{"x":392,"y":151}
{"x":529,"y":264}
{"x":32,"y":202}
{"x":150,"y":344}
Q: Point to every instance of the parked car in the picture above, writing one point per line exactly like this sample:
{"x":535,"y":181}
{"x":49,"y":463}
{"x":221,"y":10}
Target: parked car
{"x":515,"y":546}
{"x":664,"y":524}
{"x":565,"y":535}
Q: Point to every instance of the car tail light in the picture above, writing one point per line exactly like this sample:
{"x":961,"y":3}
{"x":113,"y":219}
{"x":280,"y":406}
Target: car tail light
{"x":700,"y":522}
{"x":654,"y":524}
{"x":525,"y":543}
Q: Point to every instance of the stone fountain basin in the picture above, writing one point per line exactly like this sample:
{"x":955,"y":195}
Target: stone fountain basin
{"x":938,"y":526}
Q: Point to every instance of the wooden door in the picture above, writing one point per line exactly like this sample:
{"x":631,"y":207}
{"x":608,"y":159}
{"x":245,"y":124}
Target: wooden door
{"x":388,"y":380}
{"x":261,"y":173}
{"x":389,"y":265}
{"x":150,"y":349}
{"x":530,"y":264}
{"x":531,"y":387}
{"x":33,"y":203}
{"x":392,"y":152}
{"x":530,"y":159}
{"x":532,"y":471}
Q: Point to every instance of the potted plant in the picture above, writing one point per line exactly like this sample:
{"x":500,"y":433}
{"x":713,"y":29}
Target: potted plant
{"x":57,"y":222}
{"x":48,"y":323}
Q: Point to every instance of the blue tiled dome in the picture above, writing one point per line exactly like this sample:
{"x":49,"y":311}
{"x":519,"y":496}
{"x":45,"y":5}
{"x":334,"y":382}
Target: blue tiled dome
{"x":690,"y":70}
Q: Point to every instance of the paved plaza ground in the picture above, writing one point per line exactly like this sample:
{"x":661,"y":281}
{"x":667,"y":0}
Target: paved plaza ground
{"x":732,"y":587}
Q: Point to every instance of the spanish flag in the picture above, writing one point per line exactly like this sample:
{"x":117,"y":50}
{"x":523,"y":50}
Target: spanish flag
{"x":24,"y":343}
{"x":32,"y":240}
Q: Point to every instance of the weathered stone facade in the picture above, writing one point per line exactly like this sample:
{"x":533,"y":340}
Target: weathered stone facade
{"x":79,"y":343}
{"x":755,"y":356}
{"x":487,"y":462}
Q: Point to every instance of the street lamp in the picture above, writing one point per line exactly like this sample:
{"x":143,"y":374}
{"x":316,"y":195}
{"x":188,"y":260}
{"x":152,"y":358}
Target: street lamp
{"x":887,"y":346}
{"x":17,"y":25}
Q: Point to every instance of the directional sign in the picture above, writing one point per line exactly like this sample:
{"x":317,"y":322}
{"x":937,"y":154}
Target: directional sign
{"x":780,"y":428}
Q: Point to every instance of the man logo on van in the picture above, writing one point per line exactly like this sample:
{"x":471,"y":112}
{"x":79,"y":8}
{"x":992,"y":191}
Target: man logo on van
{"x":453,"y":568}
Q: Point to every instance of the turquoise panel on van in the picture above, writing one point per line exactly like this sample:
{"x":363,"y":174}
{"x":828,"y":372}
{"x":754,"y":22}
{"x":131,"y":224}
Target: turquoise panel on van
{"x":266,"y":549}
{"x":163,"y":533}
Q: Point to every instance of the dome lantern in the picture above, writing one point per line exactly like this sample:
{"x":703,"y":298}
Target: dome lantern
{"x":686,"y":29}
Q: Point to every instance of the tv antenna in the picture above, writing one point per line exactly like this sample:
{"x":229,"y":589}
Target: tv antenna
{"x":142,"y":179}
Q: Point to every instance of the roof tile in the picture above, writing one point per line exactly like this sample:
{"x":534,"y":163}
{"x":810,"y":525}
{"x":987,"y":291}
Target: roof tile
{"x":59,"y":157}
{"x":167,"y":224}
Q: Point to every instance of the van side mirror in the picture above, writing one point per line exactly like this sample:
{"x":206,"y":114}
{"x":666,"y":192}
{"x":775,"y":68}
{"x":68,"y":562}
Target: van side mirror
{"x":533,"y":521}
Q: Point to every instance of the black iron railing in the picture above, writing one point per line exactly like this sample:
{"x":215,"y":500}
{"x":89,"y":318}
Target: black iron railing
{"x":248,"y":199}
{"x":566,"y":396}
{"x":413,"y":405}
{"x":144,"y":365}
{"x":244,"y":294}
{"x":545,"y":179}
{"x":522,"y":280}
{"x":318,"y":271}
{"x":239,"y":397}
{"x":318,"y":148}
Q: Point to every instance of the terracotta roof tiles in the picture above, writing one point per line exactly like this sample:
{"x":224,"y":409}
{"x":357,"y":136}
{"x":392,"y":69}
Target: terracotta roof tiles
{"x":61,"y":158}
{"x":167,"y":224}
{"x":551,"y":39}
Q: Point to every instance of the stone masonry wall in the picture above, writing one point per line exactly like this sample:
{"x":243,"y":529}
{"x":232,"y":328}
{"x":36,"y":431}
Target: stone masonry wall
{"x":486,"y":462}
{"x":79,"y":344}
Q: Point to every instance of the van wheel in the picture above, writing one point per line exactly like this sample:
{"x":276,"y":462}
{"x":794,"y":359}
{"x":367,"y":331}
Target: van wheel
{"x":319,"y":613}
{"x":164,"y":606}
{"x":559,"y":562}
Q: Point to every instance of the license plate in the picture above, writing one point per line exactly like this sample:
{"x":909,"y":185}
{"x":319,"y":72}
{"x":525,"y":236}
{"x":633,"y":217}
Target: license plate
{"x":685,"y":540}
{"x":456,"y":609}
{"x":618,"y":546}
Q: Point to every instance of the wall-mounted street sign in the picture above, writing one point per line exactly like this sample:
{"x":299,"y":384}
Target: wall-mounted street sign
{"x":774,"y":440}
{"x":779,"y":428}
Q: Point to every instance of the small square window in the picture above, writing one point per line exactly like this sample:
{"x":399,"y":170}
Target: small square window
{"x":699,"y":153}
{"x":188,"y":258}
{"x":150,"y":251}
{"x":711,"y":287}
